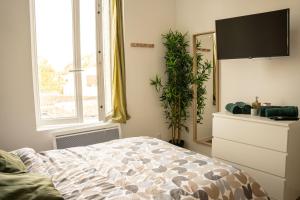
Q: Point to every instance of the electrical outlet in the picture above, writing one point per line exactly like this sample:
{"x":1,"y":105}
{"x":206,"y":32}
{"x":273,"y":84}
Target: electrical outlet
{"x":158,"y":136}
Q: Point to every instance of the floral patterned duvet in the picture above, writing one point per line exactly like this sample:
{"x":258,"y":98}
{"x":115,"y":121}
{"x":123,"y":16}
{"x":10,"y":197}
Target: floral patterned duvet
{"x":140,"y":168}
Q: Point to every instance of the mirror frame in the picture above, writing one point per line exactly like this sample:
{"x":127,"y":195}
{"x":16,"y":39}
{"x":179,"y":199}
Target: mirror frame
{"x":217,"y":85}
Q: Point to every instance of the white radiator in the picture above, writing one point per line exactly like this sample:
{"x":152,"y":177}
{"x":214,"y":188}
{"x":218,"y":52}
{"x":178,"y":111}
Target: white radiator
{"x":84,"y":138}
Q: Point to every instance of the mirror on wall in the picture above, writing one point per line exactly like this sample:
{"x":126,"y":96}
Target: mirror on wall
{"x":206,"y":64}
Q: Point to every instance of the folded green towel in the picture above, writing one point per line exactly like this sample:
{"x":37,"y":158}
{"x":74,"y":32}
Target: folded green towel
{"x":238,"y":108}
{"x":262,"y":110}
{"x":287,"y":111}
{"x":233,"y":108}
{"x":246,"y":109}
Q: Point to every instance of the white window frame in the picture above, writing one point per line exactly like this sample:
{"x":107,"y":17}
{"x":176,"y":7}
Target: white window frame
{"x":77,"y":67}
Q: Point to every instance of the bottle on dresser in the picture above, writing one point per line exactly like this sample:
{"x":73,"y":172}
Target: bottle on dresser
{"x":255,"y":106}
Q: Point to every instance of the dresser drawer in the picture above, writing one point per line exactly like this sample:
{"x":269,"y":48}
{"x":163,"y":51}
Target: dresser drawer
{"x":269,"y":161}
{"x":253,"y":133}
{"x":273,"y":185}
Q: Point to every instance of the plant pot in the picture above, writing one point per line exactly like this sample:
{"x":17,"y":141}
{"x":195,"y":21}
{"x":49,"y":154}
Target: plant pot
{"x":179,"y":143}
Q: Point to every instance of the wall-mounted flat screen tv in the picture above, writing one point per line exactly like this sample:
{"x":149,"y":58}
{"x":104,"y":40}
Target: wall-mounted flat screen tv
{"x":251,"y":36}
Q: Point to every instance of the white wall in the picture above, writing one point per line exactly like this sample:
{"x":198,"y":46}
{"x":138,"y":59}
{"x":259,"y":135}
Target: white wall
{"x":17,"y":118}
{"x":274,"y":80}
{"x":144,"y":22}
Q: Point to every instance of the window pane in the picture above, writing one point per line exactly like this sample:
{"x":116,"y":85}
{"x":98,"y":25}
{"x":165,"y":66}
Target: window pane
{"x":88,"y":59}
{"x":55,"y":58}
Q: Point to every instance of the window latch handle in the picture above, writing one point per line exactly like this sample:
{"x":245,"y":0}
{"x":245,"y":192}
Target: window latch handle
{"x":76,"y":70}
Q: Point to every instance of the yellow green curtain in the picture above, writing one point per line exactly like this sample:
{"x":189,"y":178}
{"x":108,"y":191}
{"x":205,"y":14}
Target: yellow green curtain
{"x":119,"y":105}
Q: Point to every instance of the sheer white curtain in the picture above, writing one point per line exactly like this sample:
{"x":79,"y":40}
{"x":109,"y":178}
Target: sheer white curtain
{"x":107,"y":68}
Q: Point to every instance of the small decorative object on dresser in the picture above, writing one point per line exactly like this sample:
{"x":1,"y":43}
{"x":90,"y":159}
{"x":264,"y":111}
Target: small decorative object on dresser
{"x":267,"y":150}
{"x":255,"y":107}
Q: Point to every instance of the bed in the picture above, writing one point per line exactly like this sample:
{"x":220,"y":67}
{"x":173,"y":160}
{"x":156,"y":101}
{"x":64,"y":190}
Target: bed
{"x":139,"y":168}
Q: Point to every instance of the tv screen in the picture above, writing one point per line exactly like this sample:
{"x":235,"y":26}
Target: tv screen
{"x":258,"y":35}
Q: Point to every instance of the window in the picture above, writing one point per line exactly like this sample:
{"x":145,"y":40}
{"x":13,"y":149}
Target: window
{"x":67,"y":60}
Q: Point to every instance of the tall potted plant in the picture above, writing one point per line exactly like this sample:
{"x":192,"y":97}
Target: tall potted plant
{"x":176,"y":93}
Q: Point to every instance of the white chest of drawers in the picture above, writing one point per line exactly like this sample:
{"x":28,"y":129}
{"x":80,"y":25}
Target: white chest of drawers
{"x":267,"y":150}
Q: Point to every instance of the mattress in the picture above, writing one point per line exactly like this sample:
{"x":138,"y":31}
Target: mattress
{"x":140,"y":168}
